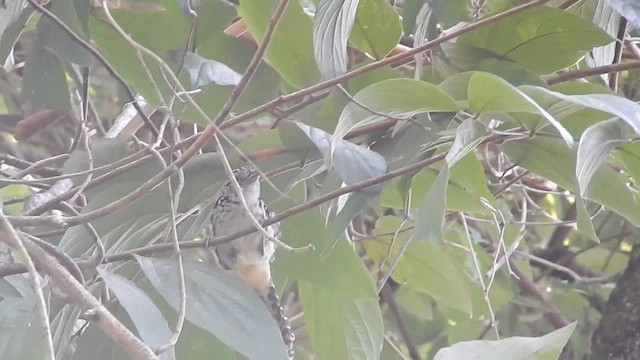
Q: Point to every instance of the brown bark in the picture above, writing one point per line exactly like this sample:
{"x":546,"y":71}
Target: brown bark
{"x":617,"y":336}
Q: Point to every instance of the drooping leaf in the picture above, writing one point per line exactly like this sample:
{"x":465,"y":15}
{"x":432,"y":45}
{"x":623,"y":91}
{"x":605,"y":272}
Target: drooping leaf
{"x":13,"y":17}
{"x":220,"y":303}
{"x":400,"y":98}
{"x":44,"y":85}
{"x":595,"y":144}
{"x":430,"y":215}
{"x":424,"y":266}
{"x":630,"y":9}
{"x":331,"y":30}
{"x":489,"y":93}
{"x":342,"y":327}
{"x":151,"y":325}
{"x":14,"y":311}
{"x":544,"y":347}
{"x":352,"y":162}
{"x":376,"y":28}
{"x":530,"y":36}
{"x":204,"y":71}
{"x":290,"y":51}
{"x":619,"y":106}
{"x":57,"y":40}
{"x":553,"y":161}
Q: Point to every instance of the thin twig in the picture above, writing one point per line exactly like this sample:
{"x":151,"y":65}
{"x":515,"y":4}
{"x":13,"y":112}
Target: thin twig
{"x":485,"y":289}
{"x":387,"y":296}
{"x":579,"y":74}
{"x":10,"y":237}
{"x":112,"y":71}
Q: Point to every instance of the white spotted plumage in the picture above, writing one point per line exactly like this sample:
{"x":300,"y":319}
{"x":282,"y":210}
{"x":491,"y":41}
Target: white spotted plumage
{"x":249,"y":256}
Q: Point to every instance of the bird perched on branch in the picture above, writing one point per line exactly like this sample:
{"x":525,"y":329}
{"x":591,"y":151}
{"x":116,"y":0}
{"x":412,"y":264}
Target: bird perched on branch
{"x":249,"y":256}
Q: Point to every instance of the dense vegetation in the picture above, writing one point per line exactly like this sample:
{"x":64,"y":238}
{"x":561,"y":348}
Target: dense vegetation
{"x":466,"y":171}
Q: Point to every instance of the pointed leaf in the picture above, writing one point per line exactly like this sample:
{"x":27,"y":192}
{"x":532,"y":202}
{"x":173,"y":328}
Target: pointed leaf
{"x":220,"y":303}
{"x":377,"y":28}
{"x":544,"y":347}
{"x":401,"y":98}
{"x":530,"y":37}
{"x":342,"y":327}
{"x":151,"y":325}
{"x":430,"y":216}
{"x":489,"y":93}
{"x":549,"y":159}
{"x":352,"y":162}
{"x":595,"y":144}
{"x":203,"y":71}
{"x":621,"y":107}
{"x":290,"y":52}
{"x":630,"y":9}
{"x":331,"y":30}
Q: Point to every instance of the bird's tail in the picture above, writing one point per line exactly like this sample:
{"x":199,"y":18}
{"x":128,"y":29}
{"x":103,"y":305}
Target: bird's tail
{"x":272,"y":300}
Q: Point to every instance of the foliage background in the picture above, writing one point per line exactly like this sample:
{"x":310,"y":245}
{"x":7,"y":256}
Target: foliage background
{"x":466,"y":171}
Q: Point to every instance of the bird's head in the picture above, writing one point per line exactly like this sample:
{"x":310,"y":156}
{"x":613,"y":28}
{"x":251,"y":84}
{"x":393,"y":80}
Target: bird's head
{"x":248,"y":179}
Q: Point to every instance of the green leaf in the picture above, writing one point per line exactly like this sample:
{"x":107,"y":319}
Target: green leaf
{"x":57,"y":40}
{"x":595,"y":144}
{"x":354,"y":163}
{"x":550,"y":159}
{"x":616,"y":105}
{"x":424,"y":266}
{"x":342,"y":327}
{"x":13,"y":18}
{"x":220,"y":303}
{"x":529,"y":38}
{"x":203,"y":71}
{"x":489,"y":93}
{"x":430,"y":216}
{"x":290,"y":52}
{"x":43,"y":84}
{"x":545,"y":347}
{"x":14,"y":312}
{"x":401,"y":98}
{"x":151,"y":325}
{"x":332,"y":26}
{"x":377,"y":29}
{"x":630,"y":9}
{"x":469,"y":134}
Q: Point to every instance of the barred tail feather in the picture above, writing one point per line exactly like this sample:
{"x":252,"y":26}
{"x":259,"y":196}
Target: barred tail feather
{"x":275,"y":307}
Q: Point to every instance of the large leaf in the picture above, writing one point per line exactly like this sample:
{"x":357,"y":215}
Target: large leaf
{"x":550,"y":159}
{"x":331,"y":30}
{"x":57,"y":40}
{"x":630,"y":9}
{"x":529,"y":37}
{"x":204,"y":71}
{"x":430,"y":216}
{"x":220,"y":303}
{"x":401,"y":98}
{"x":44,"y":85}
{"x":595,"y":144}
{"x":619,"y":106}
{"x":376,"y":29}
{"x":354,"y":324}
{"x":545,"y":347}
{"x":352,"y":162}
{"x":424,"y":266}
{"x":13,"y":17}
{"x":146,"y":316}
{"x":489,"y":93}
{"x":290,"y":51}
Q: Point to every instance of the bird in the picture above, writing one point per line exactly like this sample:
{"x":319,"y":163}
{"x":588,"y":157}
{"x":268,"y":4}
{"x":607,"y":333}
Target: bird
{"x":249,"y":256}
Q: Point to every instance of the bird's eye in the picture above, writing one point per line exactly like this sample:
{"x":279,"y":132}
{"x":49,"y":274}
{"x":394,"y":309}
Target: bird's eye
{"x":232,"y":254}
